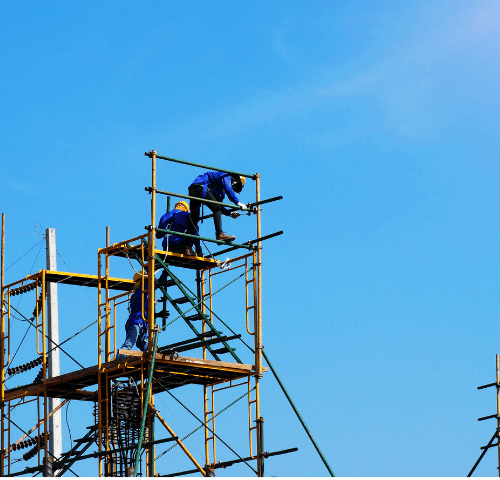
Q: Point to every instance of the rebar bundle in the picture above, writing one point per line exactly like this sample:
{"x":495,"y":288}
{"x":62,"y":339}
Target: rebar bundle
{"x":124,"y":425}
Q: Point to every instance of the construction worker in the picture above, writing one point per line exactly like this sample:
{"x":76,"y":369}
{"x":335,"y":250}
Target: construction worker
{"x":136,"y":327}
{"x":178,"y":220}
{"x":214,"y":186}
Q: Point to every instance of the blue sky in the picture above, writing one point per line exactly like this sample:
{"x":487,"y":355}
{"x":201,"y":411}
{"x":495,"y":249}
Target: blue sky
{"x":376,"y":121}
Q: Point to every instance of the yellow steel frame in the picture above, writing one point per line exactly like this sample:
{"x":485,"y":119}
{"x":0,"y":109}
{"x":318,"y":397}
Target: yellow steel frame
{"x":41,"y":345}
{"x":251,"y":291}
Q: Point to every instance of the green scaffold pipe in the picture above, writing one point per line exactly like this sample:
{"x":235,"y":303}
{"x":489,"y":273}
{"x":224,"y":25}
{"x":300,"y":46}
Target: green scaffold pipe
{"x":205,"y":239}
{"x":188,"y":197}
{"x":146,"y":403}
{"x":298,"y":414}
{"x":193,"y":164}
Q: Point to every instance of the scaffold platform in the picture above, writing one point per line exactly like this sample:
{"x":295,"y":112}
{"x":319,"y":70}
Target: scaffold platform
{"x":172,"y":258}
{"x":170,"y":371}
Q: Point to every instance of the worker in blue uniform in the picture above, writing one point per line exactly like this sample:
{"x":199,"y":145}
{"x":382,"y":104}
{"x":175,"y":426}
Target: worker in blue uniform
{"x":215,"y":186}
{"x":178,"y":220}
{"x":136,"y":328}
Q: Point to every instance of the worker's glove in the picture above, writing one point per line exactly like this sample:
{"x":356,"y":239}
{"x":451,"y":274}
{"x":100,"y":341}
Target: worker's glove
{"x":243,"y":206}
{"x":234,"y":214}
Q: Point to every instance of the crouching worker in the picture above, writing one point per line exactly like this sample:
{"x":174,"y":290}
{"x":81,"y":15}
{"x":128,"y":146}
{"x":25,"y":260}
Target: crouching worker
{"x":178,"y":220}
{"x":136,"y":328}
{"x":215,"y":186}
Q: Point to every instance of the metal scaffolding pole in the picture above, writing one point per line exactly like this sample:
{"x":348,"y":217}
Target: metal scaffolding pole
{"x":55,"y":437}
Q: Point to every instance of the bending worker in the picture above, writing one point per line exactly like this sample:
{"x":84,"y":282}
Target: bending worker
{"x":136,"y":328}
{"x":178,"y":220}
{"x":214,"y":186}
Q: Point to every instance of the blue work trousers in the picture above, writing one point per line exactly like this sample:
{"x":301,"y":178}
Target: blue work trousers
{"x":135,"y":335}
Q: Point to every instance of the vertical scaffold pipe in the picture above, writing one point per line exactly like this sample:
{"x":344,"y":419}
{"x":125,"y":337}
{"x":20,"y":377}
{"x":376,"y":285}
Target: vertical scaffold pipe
{"x":258,"y":329}
{"x":152,"y":344}
{"x":151,"y":254}
{"x":290,"y":401}
{"x":498,"y":409}
{"x":146,"y":403}
{"x":107,"y":355}
{"x":2,"y":349}
{"x":261,"y":435}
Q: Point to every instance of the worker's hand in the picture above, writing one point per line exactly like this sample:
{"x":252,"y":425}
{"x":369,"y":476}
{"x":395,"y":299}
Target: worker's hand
{"x":234,"y":214}
{"x":243,"y":206}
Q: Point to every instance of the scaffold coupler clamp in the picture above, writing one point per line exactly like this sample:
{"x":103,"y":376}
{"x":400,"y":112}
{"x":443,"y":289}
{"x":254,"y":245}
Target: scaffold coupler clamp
{"x":172,"y":353}
{"x":150,"y":189}
{"x":150,"y":154}
{"x":149,"y":228}
{"x":210,"y":470}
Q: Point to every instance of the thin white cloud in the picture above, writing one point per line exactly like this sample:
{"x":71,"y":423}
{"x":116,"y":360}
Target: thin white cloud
{"x":404,"y":84}
{"x":487,"y":19}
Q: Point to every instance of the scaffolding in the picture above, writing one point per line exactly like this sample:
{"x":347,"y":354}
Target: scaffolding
{"x":496,"y":416}
{"x":123,"y":384}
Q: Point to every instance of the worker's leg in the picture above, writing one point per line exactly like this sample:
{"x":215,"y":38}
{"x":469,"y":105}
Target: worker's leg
{"x":194,"y":205}
{"x":197,"y":191}
{"x":142,"y":339}
{"x":217,"y":211}
{"x":131,"y":334}
{"x":184,"y":247}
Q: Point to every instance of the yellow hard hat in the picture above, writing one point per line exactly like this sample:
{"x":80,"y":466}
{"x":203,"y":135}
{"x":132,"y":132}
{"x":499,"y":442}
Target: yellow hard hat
{"x":138,"y":277}
{"x":182,"y":206}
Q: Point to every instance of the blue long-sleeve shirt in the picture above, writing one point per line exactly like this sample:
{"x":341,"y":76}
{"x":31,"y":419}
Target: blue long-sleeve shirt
{"x":177,"y":221}
{"x":219,"y":184}
{"x":135,"y":317}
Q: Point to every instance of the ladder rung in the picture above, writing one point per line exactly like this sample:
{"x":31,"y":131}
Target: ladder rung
{"x":168,"y":283}
{"x":180,"y":300}
{"x":223,"y":350}
{"x":194,"y":318}
{"x":208,"y":334}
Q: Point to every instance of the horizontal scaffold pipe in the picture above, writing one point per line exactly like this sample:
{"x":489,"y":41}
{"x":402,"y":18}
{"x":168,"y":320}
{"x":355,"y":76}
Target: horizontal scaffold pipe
{"x":204,"y":200}
{"x":205,"y":239}
{"x":57,"y":464}
{"x":253,"y":176}
{"x":261,"y":202}
{"x":251,"y":242}
{"x":232,"y":462}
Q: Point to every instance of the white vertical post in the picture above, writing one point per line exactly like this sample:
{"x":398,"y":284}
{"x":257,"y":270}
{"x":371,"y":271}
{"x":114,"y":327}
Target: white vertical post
{"x":55,"y":440}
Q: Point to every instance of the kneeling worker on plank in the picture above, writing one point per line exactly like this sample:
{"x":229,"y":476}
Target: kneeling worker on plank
{"x":136,"y":328}
{"x":178,"y":220}
{"x":214,"y":186}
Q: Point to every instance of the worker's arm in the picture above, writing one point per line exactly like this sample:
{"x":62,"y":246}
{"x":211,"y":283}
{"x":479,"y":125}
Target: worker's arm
{"x":226,"y":182}
{"x":163,"y":224}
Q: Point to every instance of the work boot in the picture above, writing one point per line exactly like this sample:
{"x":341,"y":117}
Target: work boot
{"x":187,"y":251}
{"x":199,"y":252}
{"x":226,"y":238}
